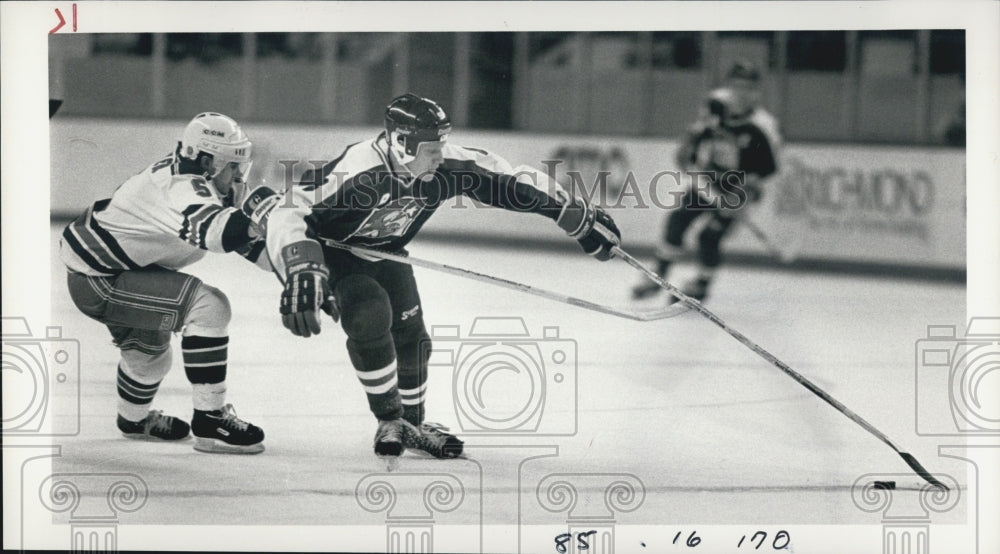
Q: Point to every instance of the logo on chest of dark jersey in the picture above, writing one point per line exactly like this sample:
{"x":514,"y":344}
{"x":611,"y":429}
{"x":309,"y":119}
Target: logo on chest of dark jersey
{"x":390,"y":220}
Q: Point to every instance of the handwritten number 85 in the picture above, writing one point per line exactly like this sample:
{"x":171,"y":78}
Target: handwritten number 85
{"x":564,"y":538}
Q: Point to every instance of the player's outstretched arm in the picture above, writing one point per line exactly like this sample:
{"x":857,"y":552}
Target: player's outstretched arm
{"x":591,"y":226}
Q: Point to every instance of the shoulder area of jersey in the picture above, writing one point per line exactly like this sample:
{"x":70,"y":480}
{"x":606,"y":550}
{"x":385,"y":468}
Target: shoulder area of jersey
{"x":199,"y":184}
{"x":767,"y":123}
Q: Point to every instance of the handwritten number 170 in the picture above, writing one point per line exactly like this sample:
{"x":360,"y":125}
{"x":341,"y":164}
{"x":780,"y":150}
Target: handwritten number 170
{"x":781,"y":537}
{"x":780,"y":541}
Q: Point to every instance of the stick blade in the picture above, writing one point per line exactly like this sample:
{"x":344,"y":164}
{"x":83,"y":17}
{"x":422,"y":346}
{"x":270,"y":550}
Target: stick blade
{"x":919,"y":470}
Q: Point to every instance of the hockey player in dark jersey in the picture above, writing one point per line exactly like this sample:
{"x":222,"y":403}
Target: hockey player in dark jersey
{"x":377,"y":194}
{"x":727,"y":153}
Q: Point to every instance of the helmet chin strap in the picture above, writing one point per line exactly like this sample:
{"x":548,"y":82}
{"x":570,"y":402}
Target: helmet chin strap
{"x":400,"y":158}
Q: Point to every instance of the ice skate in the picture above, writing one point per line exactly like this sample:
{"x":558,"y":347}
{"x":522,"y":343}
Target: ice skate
{"x":389,"y":438}
{"x":155,"y":426}
{"x":389,"y":442}
{"x":435,"y":440}
{"x":221,"y":432}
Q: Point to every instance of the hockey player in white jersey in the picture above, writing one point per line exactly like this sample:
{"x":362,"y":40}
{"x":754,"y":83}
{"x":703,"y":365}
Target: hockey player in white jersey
{"x":377,"y":194}
{"x":123,"y":255}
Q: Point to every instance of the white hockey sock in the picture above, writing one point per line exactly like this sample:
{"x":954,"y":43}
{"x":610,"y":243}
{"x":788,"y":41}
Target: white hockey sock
{"x":132,"y":412}
{"x":209,"y":396}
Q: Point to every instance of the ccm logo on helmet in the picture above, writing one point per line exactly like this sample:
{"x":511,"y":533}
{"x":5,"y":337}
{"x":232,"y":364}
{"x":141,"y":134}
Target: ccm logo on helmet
{"x":213,"y":132}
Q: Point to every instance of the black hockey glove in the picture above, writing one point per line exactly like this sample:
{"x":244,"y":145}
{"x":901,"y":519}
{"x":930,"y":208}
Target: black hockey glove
{"x":591,"y":226}
{"x":306,"y":289}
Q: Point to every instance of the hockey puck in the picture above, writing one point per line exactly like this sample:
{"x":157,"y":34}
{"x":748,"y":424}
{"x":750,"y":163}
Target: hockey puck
{"x":884,"y":485}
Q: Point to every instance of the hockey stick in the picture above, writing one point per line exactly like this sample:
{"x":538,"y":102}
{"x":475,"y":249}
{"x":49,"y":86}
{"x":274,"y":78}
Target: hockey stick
{"x":653,"y":315}
{"x":694,"y":304}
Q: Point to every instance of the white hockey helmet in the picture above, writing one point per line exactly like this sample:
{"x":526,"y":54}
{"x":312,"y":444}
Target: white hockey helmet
{"x":219,"y":136}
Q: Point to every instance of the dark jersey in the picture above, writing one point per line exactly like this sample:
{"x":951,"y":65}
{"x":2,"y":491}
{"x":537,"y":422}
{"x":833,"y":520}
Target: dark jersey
{"x":748,"y":144}
{"x":359,"y":199}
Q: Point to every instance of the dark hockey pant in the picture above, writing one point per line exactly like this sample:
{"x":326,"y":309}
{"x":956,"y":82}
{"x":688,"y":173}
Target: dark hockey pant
{"x":710,"y":238}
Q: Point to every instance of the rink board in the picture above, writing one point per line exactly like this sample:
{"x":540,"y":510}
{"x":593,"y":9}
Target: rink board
{"x":855,"y":204}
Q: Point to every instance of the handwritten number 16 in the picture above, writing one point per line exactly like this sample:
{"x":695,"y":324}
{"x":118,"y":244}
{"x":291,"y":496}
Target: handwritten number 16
{"x":693,"y":539}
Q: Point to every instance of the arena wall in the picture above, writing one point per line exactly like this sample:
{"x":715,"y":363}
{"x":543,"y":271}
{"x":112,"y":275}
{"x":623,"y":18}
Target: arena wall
{"x":831,"y":205}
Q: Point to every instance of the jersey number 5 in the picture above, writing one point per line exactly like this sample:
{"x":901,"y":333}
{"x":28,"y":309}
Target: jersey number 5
{"x":201,"y":187}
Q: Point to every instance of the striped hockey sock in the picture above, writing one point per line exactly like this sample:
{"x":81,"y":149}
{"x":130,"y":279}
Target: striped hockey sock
{"x":375,"y":365}
{"x":412,"y":392}
{"x":134,"y":397}
{"x":205,"y":365}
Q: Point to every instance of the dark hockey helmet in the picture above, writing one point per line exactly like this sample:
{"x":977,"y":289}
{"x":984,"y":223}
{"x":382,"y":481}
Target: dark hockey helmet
{"x":744,"y":70}
{"x":411,"y":120}
{"x":739,"y":96}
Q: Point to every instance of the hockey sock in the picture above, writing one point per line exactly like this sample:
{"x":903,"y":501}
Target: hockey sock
{"x":412,"y":391}
{"x":375,"y":364}
{"x":134,"y":396}
{"x":205,"y":365}
{"x":413,"y":355}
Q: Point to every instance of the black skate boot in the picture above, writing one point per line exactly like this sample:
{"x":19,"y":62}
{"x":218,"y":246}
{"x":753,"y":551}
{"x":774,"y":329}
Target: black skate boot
{"x":155,"y":426}
{"x":434,"y":439}
{"x":220,"y":431}
{"x":696,"y":288}
{"x":389,"y":437}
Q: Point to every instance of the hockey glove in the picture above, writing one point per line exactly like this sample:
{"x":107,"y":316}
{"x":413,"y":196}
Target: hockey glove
{"x":591,"y":226}
{"x":258,"y":206}
{"x":306,"y":289}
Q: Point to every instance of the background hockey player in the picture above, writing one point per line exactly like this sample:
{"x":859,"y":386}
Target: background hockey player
{"x":736,"y":142}
{"x":378,"y":194}
{"x":122,"y":257}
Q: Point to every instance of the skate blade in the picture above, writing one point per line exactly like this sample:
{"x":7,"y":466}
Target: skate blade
{"x":391,"y":463}
{"x":150,"y":438}
{"x":427,"y":455}
{"x":215,"y":446}
{"x":420,"y":452}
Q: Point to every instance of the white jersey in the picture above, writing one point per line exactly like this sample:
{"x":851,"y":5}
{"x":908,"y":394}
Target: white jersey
{"x":159,"y":217}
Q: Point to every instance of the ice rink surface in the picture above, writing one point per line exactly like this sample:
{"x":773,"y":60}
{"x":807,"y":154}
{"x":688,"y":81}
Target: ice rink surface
{"x":708,"y":430}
